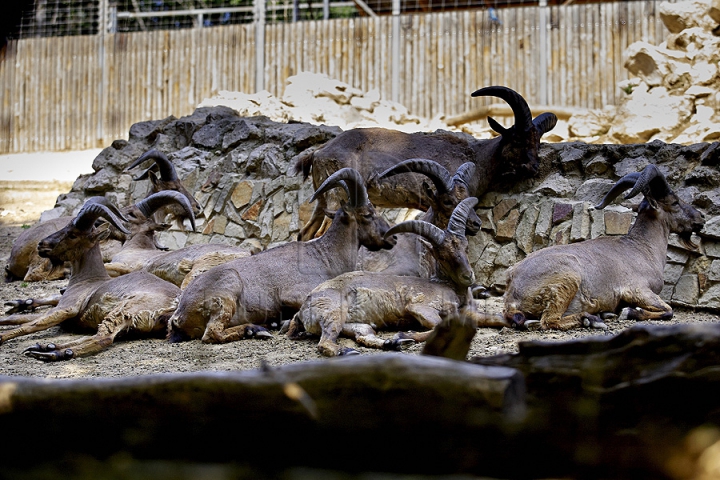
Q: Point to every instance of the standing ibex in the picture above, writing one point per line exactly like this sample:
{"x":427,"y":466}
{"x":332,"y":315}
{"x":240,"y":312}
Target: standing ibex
{"x":511,"y":156}
{"x":356,"y":304}
{"x":138,"y":301}
{"x":231,"y":301}
{"x":567,"y":286}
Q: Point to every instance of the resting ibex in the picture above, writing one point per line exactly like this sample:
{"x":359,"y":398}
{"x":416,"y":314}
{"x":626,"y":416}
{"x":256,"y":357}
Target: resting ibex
{"x":139,"y":245}
{"x":356,"y":304}
{"x":138,"y":301}
{"x":24,"y":262}
{"x":511,"y":156}
{"x":567,"y":286}
{"x":232,"y":301}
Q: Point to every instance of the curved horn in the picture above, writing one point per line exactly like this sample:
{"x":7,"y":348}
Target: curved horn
{"x":458,"y":219}
{"x":465,"y":172}
{"x":154,"y":202}
{"x":90,"y":212}
{"x":651,"y":181}
{"x":433,"y":170}
{"x":355,"y":186}
{"x":628,"y":181}
{"x":545,"y":122}
{"x":523,"y":116}
{"x":167,"y":169}
{"x":104,"y":201}
{"x":427,"y":230}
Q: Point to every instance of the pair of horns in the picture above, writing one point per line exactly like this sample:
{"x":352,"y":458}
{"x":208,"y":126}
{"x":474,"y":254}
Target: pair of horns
{"x":351,"y":181}
{"x":167,"y":169}
{"x":651,"y":182}
{"x":439,"y":175}
{"x":435,"y":235}
{"x":523,"y":116}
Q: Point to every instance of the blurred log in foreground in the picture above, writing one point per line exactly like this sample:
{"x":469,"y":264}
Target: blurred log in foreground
{"x":641,"y":404}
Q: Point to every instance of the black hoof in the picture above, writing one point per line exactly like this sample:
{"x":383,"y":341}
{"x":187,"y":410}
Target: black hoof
{"x":593,"y":321}
{"x":51,"y":356}
{"x":255,"y":331}
{"x":348,"y":352}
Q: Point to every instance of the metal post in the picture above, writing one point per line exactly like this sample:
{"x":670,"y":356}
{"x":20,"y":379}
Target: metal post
{"x":326,"y":9}
{"x":259,"y":21}
{"x":395,"y":51}
{"x":543,"y":97}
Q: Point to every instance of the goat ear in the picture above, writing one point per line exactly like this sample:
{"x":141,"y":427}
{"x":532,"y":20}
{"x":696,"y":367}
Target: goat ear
{"x":153,"y":178}
{"x":330,"y":213}
{"x":101,"y":232}
{"x":653,"y":203}
{"x":429,"y":192}
{"x":161,"y":227}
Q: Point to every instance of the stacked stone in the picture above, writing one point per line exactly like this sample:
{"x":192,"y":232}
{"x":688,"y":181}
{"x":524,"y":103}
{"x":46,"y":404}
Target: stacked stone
{"x":240,"y":169}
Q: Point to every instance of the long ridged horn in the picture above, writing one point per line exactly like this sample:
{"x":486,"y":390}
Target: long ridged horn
{"x":154,"y":202}
{"x":545,"y":122}
{"x":465,"y":172}
{"x":438,"y":174}
{"x":628,"y":181}
{"x":104,"y":201}
{"x":523,"y":115}
{"x":167,"y":169}
{"x":90,"y":212}
{"x":458,"y":219}
{"x":354,"y":184}
{"x":651,"y":181}
{"x":427,"y":230}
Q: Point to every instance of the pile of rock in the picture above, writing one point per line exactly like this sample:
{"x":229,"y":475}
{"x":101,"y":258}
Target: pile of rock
{"x":673,"y":94}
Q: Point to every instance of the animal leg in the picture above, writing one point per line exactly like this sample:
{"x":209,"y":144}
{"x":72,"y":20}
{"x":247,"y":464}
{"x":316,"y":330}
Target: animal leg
{"x":43,"y":322}
{"x":560,"y":297}
{"x":427,"y":317}
{"x":649,"y":306}
{"x":107,"y":331}
{"x":331,"y":327}
{"x":366,"y":336}
{"x":30,"y":304}
{"x":21,"y":319}
{"x":45,"y":270}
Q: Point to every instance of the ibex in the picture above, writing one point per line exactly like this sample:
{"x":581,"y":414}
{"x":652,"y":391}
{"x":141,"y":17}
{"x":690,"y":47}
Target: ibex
{"x":356,"y":304}
{"x":511,"y":156}
{"x":566,"y":286}
{"x":24,"y":262}
{"x":137,"y":302}
{"x":232,"y":301}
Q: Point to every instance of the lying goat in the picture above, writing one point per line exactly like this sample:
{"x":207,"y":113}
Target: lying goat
{"x":355,"y":304}
{"x":138,"y":302}
{"x":510,"y":157}
{"x":231,"y":301}
{"x":25,"y":264}
{"x":567,"y":286}
{"x":140,"y":243}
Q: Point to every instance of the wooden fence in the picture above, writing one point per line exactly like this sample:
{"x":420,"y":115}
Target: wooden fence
{"x":80,"y":92}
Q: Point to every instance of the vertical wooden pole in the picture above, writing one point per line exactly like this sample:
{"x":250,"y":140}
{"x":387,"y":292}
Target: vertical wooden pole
{"x":544,"y":48}
{"x":259,"y":21}
{"x":395,"y":50}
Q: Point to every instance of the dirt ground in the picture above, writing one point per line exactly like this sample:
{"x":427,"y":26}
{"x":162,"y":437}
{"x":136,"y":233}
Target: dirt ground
{"x":21,"y":203}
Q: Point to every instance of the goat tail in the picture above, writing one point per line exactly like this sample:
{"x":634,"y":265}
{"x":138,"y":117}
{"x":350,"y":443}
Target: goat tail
{"x":303,"y":163}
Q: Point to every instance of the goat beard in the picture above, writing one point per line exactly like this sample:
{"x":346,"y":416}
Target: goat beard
{"x":686,"y":241}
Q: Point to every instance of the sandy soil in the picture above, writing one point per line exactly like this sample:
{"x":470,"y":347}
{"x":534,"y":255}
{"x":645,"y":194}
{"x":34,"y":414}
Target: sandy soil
{"x":23,"y":204}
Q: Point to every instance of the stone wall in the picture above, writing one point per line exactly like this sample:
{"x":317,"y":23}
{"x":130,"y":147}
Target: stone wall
{"x":240,"y":171}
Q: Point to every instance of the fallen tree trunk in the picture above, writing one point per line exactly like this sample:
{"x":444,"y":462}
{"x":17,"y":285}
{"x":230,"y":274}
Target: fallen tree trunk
{"x":626,"y":406}
{"x":504,"y":110}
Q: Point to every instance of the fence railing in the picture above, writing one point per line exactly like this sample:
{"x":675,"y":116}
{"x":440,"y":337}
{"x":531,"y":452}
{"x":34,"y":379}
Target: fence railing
{"x":79,"y":92}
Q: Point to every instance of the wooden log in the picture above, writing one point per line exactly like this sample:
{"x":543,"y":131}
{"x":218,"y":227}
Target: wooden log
{"x":504,"y":110}
{"x":322,"y":414}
